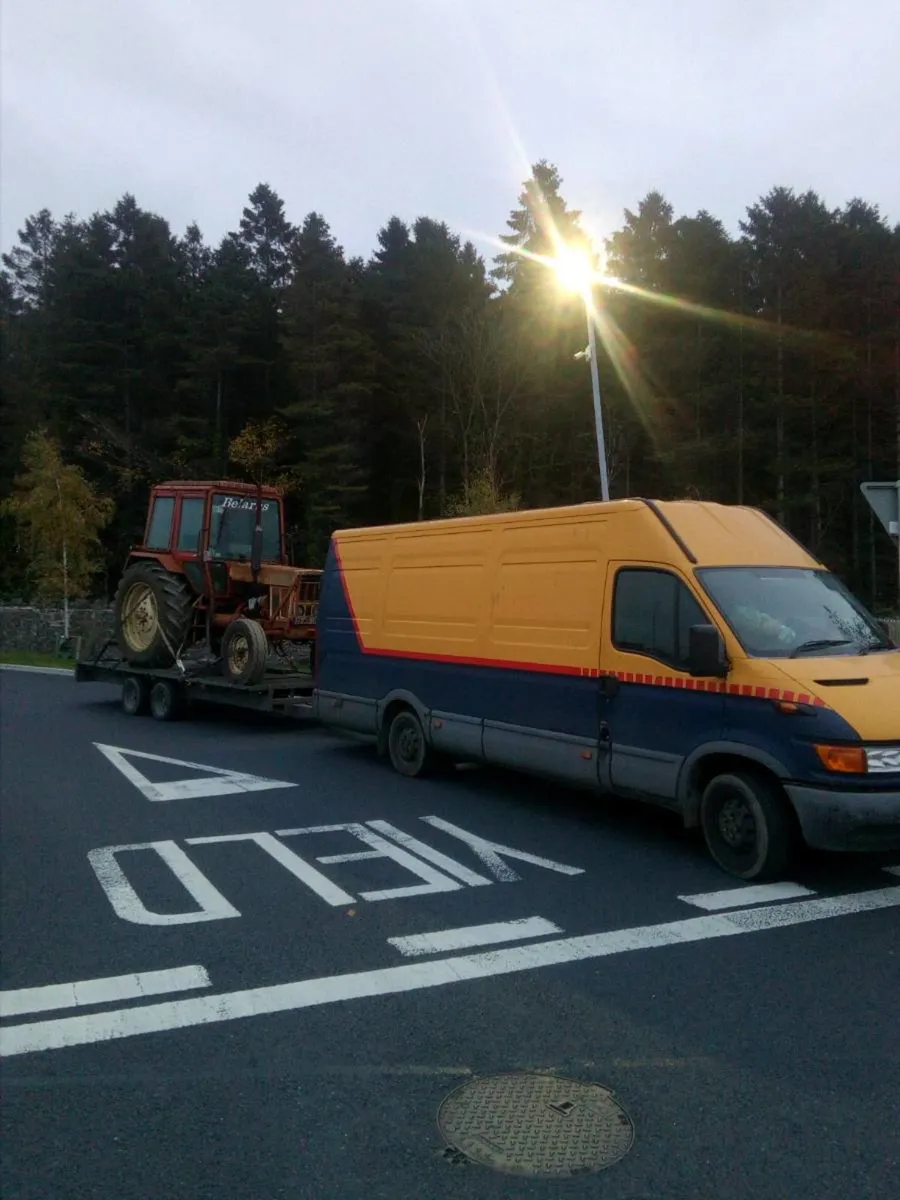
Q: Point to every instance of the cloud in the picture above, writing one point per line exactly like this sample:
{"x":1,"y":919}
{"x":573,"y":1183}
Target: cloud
{"x":366,"y":108}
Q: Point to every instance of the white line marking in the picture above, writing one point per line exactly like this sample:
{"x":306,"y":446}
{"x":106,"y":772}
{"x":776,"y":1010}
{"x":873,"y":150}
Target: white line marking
{"x":70,"y":671}
{"x":450,"y":865}
{"x":490,"y":853}
{"x":473,"y":935}
{"x":308,"y":993}
{"x":434,"y":881}
{"x":297,"y":866}
{"x":102,"y":991}
{"x":739,"y":896}
{"x":130,"y":907}
{"x":218,"y":782}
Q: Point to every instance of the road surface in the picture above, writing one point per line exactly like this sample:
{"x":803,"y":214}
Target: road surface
{"x":242,"y":958}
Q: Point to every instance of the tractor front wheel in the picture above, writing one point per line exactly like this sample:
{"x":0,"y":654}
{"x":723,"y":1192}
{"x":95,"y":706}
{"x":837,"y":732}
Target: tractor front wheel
{"x":245,"y":651}
{"x":152,"y":614}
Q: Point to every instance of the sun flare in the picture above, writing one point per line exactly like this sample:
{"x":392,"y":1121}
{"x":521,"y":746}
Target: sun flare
{"x":574,"y":270}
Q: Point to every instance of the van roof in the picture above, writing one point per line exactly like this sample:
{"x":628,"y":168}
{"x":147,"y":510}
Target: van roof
{"x":709,"y":534}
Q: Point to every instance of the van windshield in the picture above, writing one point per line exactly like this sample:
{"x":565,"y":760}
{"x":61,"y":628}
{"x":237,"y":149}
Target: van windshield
{"x":779,"y":612}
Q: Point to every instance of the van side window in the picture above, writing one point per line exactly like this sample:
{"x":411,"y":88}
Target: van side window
{"x":653,"y":612}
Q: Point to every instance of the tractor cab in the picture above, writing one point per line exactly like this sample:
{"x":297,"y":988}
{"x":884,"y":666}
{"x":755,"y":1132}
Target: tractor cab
{"x":214,"y":521}
{"x":213,"y":556}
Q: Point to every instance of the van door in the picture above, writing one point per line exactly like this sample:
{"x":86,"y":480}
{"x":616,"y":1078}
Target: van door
{"x":653,"y":714}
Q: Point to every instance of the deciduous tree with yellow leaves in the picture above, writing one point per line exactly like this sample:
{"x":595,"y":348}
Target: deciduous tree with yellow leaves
{"x":60,"y":518}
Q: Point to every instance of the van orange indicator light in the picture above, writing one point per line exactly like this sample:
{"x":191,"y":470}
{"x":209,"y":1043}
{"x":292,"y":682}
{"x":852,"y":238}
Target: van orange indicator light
{"x":587,"y":755}
{"x":846,"y":760}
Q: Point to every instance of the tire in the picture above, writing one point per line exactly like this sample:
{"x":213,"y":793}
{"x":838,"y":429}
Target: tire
{"x":166,"y":700}
{"x":153,"y":611}
{"x":747,"y":825}
{"x":409,"y":752}
{"x":135,"y":696}
{"x":245,"y":651}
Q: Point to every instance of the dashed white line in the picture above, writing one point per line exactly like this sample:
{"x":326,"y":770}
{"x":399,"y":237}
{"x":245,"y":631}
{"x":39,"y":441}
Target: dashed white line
{"x":473,"y":935}
{"x":286,"y":997}
{"x":737,"y":897}
{"x":102,"y":991}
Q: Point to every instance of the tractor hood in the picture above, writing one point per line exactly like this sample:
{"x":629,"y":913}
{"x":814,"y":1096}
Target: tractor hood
{"x":863,"y":689}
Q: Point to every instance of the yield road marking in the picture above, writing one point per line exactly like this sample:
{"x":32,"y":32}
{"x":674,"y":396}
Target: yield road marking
{"x":128,"y":904}
{"x":218,"y":782}
{"x":308,"y":993}
{"x":737,"y":897}
{"x":102,"y":991}
{"x":473,"y":935}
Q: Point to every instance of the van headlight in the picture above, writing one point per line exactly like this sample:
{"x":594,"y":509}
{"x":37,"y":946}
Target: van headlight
{"x":882,"y":759}
{"x":859,"y":760}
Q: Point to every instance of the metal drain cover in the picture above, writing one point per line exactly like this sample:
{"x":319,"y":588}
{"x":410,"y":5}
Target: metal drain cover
{"x":544,"y":1125}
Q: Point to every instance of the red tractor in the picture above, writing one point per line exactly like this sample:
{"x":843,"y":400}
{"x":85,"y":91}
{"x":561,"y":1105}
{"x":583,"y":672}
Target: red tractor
{"x":212,"y":574}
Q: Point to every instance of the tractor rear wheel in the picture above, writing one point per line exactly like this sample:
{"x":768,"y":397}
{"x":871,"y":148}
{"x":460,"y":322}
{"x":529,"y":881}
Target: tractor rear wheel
{"x":245,"y":651}
{"x":153,"y":611}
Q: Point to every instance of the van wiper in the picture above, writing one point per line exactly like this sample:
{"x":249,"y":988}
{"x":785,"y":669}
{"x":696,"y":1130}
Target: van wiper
{"x":874,"y":645}
{"x":819,"y":644}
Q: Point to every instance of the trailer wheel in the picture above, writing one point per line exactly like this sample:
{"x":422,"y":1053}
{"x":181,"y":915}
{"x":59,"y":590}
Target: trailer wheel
{"x":166,"y":700}
{"x":747,"y":825}
{"x":245,"y":651}
{"x":135,"y":695}
{"x":409,"y":752}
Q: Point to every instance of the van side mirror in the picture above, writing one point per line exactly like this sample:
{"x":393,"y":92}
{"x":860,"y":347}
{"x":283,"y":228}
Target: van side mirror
{"x":706,"y":652}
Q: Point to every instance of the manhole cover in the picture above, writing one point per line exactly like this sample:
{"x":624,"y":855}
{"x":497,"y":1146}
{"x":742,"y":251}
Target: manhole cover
{"x":536,"y":1125}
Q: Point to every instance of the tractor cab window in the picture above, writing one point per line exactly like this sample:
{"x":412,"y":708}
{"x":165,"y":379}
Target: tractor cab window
{"x":159,"y":534}
{"x":231,"y":528}
{"x":191,"y":523}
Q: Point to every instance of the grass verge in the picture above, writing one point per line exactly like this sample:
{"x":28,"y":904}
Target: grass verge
{"x":31,"y":658}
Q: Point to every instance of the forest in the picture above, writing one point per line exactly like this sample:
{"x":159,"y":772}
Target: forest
{"x":435,"y":377}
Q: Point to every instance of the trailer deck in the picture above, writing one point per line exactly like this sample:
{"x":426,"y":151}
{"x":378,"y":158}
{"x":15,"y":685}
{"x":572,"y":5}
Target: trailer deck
{"x":281,"y":691}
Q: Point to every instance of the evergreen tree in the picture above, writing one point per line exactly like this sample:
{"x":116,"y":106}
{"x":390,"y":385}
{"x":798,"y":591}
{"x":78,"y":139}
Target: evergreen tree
{"x":330,"y":358}
{"x":762,"y":369}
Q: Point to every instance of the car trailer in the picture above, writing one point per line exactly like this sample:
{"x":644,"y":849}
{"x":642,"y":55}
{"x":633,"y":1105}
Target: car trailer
{"x":168,"y":692}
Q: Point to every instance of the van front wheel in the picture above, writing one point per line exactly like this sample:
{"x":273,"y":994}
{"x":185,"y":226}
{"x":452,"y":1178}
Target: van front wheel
{"x":746,"y":825}
{"x":409,"y":752}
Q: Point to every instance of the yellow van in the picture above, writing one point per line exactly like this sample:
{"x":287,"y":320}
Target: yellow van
{"x":689,"y":654}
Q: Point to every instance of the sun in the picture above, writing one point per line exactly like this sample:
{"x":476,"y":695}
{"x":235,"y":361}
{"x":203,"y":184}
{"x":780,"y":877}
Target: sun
{"x":574,"y":270}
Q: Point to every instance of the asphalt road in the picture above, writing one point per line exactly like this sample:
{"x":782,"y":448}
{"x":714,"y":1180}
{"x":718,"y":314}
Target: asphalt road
{"x":282,"y":1039}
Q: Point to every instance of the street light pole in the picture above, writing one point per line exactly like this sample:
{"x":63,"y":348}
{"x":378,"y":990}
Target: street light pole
{"x":595,"y":385}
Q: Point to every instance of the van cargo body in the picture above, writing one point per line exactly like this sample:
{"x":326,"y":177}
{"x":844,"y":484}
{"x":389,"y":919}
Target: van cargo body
{"x":684,"y":653}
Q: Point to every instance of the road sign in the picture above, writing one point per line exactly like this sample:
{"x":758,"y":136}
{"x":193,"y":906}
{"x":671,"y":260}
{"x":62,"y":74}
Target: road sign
{"x":884,"y":500}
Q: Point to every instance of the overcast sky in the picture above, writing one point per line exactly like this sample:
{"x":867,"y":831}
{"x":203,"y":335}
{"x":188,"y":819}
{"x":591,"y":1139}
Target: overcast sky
{"x":366,"y":108}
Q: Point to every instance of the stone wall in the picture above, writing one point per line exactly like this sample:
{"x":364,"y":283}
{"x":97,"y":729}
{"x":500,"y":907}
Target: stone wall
{"x":40,"y":630}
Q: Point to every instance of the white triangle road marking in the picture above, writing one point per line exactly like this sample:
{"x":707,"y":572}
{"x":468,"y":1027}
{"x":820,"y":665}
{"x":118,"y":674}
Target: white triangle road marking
{"x":218,"y":781}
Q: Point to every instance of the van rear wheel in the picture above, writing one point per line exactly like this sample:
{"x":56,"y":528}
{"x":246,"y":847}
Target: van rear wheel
{"x":409,"y":752}
{"x":747,"y":825}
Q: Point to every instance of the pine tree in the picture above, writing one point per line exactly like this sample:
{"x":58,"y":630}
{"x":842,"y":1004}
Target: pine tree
{"x":331,"y":361}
